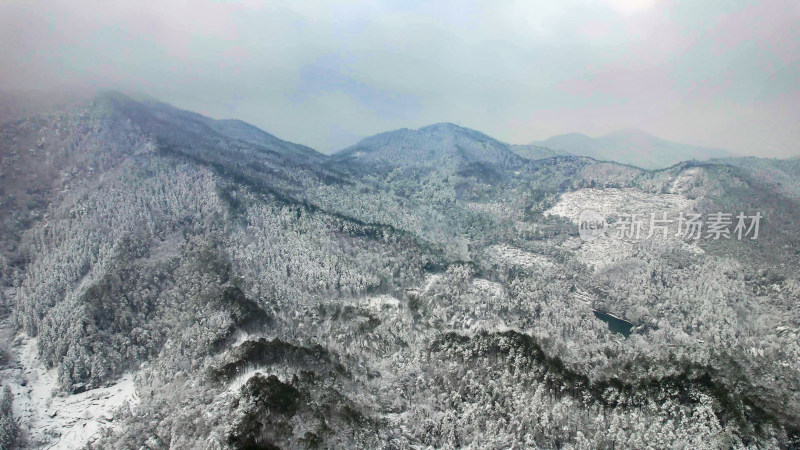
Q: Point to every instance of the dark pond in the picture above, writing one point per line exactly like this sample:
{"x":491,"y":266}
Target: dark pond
{"x":616,"y":325}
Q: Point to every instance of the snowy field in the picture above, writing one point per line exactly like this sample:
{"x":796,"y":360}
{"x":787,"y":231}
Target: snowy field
{"x":611,"y":203}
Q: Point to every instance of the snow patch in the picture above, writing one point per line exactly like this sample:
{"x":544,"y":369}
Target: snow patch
{"x":487,"y":288}
{"x":431,"y":282}
{"x":284,"y":374}
{"x":60,"y":422}
{"x":240,"y":337}
{"x":509,"y":255}
{"x":613,"y":202}
{"x":381,"y":301}
{"x":686,"y":180}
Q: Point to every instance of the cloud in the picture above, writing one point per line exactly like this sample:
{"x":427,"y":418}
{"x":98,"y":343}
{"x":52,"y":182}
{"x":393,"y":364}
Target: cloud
{"x":629,"y":6}
{"x":722,"y":73}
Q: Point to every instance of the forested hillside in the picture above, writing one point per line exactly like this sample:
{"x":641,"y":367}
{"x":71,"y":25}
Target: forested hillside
{"x":423,"y":288}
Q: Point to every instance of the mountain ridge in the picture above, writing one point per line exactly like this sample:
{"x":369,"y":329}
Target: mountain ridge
{"x":632,"y":146}
{"x":278,"y":297}
{"x":440,"y":146}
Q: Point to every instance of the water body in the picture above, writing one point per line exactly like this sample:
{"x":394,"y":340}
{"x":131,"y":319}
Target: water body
{"x":615,"y":324}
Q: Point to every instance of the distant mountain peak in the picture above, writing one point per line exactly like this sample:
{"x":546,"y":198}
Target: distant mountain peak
{"x":631,"y":146}
{"x":576,"y":134}
{"x":446,"y":128}
{"x":438,"y":145}
{"x":440,"y":126}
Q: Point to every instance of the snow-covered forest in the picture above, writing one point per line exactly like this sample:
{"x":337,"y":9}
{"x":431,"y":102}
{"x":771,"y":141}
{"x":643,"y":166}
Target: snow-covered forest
{"x":192,"y":283}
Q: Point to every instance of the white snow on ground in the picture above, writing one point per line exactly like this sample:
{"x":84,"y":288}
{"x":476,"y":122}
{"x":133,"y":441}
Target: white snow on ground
{"x":284,"y":374}
{"x":486,"y":288}
{"x":688,"y":180}
{"x":431,"y":281}
{"x":509,"y":255}
{"x":381,"y":301}
{"x":240,"y":337}
{"x":240,"y":380}
{"x":611,"y":203}
{"x":601,"y":252}
{"x":59,"y":422}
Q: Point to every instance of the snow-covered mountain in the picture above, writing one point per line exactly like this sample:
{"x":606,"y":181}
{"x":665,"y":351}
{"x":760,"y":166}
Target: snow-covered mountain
{"x":173,"y":281}
{"x":440,"y":145}
{"x":633,"y":147}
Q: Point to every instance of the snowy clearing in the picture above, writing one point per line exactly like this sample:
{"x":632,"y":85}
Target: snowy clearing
{"x":59,"y":422}
{"x":613,"y":202}
{"x":610,"y":203}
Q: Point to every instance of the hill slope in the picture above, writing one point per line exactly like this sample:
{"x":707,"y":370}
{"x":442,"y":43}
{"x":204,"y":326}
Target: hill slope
{"x":427,"y":289}
{"x":443,"y":146}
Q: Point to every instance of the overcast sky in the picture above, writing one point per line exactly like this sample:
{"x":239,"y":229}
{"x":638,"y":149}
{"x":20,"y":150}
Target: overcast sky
{"x":707,"y":72}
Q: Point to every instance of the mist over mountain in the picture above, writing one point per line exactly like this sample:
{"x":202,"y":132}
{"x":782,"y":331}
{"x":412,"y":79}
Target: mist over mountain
{"x":175,"y":281}
{"x":20,"y":104}
{"x":238,"y":225}
{"x":633,"y":147}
